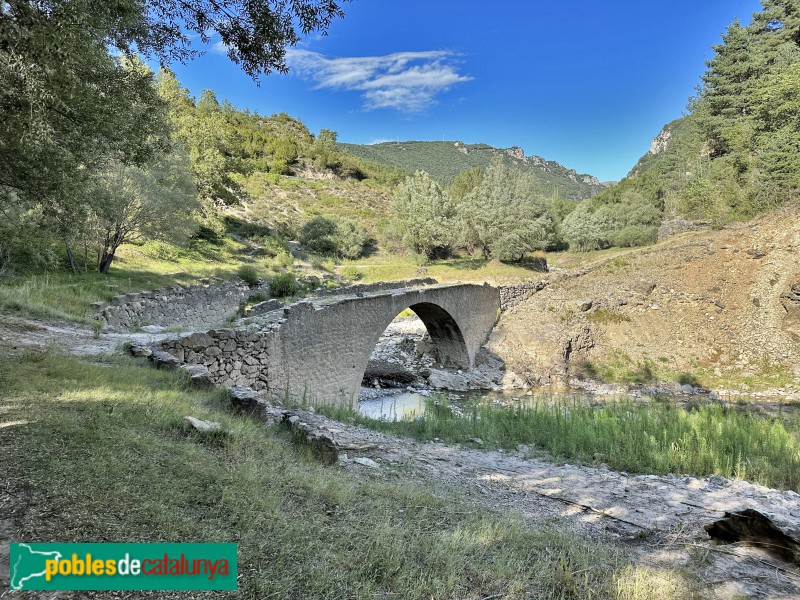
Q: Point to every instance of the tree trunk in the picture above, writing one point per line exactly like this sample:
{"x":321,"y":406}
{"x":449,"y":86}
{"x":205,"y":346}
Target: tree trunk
{"x":111,"y":243}
{"x":71,"y":259}
{"x":106,"y":259}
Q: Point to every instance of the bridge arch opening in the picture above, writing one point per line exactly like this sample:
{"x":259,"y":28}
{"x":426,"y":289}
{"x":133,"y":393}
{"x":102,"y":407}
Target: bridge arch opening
{"x":400,"y":352}
{"x":444,"y":333}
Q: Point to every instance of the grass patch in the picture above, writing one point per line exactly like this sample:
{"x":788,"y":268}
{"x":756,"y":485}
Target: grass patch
{"x":389,"y":267}
{"x":640,"y":438}
{"x":618,"y":367}
{"x":606,"y":317}
{"x":765,"y":375}
{"x":99,"y":455}
{"x":66,"y":296}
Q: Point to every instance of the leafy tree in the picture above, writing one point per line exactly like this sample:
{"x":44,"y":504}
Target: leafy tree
{"x":582,"y":230}
{"x":424,"y":215}
{"x":351,"y":239}
{"x":465,"y":182}
{"x":75,"y":105}
{"x":158,"y":202}
{"x":324,"y":150}
{"x":335,"y":237}
{"x":255,"y":33}
{"x":205,"y":132}
{"x":503,"y":217}
{"x":55,"y":131}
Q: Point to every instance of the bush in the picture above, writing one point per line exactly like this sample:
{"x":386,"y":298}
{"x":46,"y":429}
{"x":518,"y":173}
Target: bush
{"x":634,"y":235}
{"x":283,"y":260}
{"x":351,"y":239}
{"x":340,"y":237}
{"x":248,"y":274}
{"x":318,"y":235}
{"x":283,"y":285}
{"x":351,"y":273}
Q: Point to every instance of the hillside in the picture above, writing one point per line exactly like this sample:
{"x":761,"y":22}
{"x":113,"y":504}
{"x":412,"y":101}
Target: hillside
{"x":709,"y":307}
{"x":444,"y":160}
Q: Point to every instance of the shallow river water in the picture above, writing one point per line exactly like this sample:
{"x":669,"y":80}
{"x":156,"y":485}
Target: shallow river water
{"x":406,"y":405}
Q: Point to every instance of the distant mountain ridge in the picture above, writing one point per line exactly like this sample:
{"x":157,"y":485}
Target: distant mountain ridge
{"x":444,"y":160}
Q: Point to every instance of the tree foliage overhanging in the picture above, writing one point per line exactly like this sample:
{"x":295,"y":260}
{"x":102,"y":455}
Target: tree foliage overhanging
{"x":78,"y":108}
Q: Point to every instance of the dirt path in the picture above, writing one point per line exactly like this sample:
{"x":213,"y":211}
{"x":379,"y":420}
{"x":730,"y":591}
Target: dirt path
{"x":19,"y":335}
{"x":660,"y":517}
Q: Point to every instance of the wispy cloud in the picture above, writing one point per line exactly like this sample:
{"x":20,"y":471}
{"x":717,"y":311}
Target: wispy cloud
{"x":219,"y":47}
{"x":405,"y":81}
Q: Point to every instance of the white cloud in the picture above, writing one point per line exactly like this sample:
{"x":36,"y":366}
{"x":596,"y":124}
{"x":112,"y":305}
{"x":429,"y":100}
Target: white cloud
{"x":405,"y":81}
{"x":219,"y":48}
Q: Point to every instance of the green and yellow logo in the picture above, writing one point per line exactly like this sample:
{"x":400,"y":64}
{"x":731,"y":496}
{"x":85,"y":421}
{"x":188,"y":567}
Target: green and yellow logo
{"x":123,"y":566}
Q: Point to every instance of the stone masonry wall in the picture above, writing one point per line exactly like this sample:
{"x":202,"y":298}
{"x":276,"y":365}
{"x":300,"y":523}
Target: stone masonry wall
{"x":513,"y":295}
{"x":263,"y":308}
{"x":191,"y":306}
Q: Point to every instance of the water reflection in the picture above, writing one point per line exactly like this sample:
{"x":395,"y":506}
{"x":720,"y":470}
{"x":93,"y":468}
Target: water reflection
{"x":394,"y":408}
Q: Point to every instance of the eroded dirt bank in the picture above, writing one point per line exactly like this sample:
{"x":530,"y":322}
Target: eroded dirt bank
{"x":717,"y":305}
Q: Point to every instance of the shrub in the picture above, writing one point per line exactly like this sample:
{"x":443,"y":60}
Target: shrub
{"x":283,"y":285}
{"x":340,"y":237}
{"x":318,"y":235}
{"x":248,"y":274}
{"x":352,"y":273}
{"x":283,"y":260}
{"x":351,"y":238}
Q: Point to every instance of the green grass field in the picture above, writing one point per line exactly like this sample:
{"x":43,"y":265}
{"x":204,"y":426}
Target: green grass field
{"x":66,"y":296}
{"x":99,"y":455}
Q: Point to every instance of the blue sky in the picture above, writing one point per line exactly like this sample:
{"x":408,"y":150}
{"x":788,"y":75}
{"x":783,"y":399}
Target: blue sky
{"x":583,"y":82}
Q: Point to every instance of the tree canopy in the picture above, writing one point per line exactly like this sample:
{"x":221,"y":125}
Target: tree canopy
{"x":76,"y":104}
{"x":503,"y":217}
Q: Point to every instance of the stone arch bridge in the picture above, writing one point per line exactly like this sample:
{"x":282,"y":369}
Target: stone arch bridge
{"x":317,"y":350}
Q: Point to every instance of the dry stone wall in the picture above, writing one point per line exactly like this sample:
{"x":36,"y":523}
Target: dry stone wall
{"x":190,"y":306}
{"x":513,"y":295}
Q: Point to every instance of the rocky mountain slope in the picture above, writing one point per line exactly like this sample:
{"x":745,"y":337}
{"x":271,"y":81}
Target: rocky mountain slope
{"x":709,"y":307}
{"x":444,"y":160}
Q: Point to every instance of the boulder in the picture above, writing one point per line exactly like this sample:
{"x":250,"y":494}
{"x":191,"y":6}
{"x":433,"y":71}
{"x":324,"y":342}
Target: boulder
{"x":199,"y":376}
{"x":138,"y":350}
{"x":773,"y":533}
{"x":193,"y":423}
{"x":387,"y":371}
{"x":164,"y":360}
{"x":445,"y":380}
{"x":245,"y":399}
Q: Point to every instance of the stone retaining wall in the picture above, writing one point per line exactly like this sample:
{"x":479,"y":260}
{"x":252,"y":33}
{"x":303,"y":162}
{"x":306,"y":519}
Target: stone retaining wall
{"x":513,"y":295}
{"x":191,"y":306}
